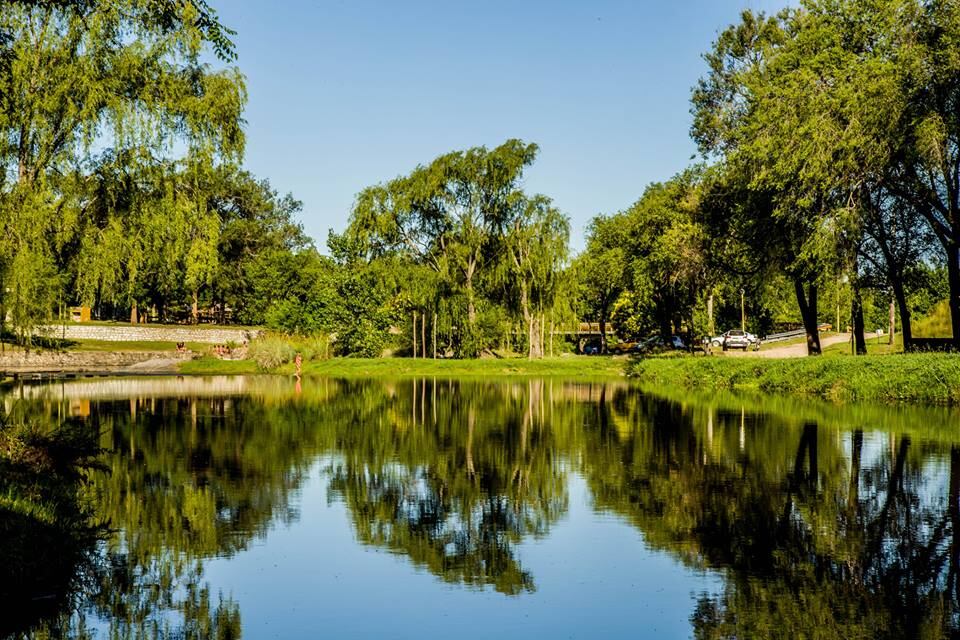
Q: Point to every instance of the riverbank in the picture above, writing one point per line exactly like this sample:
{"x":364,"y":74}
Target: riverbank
{"x":925,"y":378}
{"x":126,"y":360}
{"x":567,"y":366}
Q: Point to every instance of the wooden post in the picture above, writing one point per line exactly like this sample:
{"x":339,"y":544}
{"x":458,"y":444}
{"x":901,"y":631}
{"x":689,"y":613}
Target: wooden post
{"x":414,"y":335}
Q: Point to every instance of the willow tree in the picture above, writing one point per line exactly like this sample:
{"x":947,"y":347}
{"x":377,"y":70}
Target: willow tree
{"x":536,"y":252}
{"x":451,"y":215}
{"x":84,"y":75}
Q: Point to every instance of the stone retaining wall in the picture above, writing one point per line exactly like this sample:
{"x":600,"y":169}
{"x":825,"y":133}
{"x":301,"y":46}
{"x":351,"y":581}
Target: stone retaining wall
{"x":137,"y":333}
{"x":80,"y":361}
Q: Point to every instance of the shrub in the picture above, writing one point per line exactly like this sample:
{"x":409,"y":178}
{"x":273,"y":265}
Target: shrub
{"x":271,"y":352}
{"x":275,"y":350}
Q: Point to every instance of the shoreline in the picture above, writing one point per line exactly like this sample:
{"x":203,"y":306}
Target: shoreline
{"x":72,"y":363}
{"x":932,"y":379}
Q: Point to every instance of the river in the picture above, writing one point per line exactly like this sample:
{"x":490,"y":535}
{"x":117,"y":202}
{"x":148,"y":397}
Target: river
{"x":258,"y":507}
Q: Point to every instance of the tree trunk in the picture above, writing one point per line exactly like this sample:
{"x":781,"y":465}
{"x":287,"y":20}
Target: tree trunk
{"x":901,"y":297}
{"x":471,"y":305}
{"x":856,"y":454}
{"x":808,"y":311}
{"x":533,"y":340}
{"x":543,"y":335}
{"x":859,"y":330}
{"x":134,"y":316}
{"x":892,"y":336}
{"x":551,"y":335}
{"x":533,"y":350}
{"x":434,"y":335}
{"x":414,"y":336}
{"x":423,"y":335}
{"x":953,"y":508}
{"x":195,"y":310}
{"x":663,"y":319}
{"x":603,"y":333}
{"x":710,"y":329}
{"x":953,"y":274}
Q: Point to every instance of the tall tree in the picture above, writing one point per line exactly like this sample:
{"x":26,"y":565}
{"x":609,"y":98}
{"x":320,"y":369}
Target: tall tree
{"x":536,"y":246}
{"x":601,"y":271}
{"x":95,"y":73}
{"x":450,"y":215}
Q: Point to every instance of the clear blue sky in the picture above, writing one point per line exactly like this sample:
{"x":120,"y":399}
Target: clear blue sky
{"x":348,"y":93}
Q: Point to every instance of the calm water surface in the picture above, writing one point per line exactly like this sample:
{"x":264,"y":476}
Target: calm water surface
{"x":254,"y":507}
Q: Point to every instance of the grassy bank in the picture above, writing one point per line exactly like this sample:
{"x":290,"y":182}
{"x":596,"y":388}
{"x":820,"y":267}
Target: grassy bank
{"x":567,"y":366}
{"x":931,"y":378}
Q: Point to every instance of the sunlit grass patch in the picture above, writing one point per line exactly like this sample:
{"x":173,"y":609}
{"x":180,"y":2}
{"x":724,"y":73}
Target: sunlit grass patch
{"x":931,"y":378}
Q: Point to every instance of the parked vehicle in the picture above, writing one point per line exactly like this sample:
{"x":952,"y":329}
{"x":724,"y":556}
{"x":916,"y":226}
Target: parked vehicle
{"x":657,"y":343}
{"x":736,"y":339}
{"x":622,"y":347}
{"x":717,"y":341}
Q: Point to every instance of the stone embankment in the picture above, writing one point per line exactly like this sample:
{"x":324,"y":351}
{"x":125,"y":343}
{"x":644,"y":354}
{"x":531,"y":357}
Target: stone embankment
{"x":148,"y":333}
{"x":91,"y":361}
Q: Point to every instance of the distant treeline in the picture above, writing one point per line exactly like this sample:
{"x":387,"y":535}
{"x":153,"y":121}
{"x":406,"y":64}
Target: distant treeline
{"x":828,"y":187}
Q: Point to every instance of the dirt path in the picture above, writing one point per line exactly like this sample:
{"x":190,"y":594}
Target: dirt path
{"x":790,"y":351}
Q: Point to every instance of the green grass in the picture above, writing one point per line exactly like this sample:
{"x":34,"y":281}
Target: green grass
{"x":875,"y":346}
{"x":926,"y":378}
{"x":567,"y":366}
{"x":215,"y":366}
{"x":136,"y":345}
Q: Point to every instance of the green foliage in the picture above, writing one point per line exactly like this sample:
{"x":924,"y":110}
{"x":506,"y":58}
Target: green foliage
{"x":929,"y":378}
{"x":936,"y":322}
{"x":645,"y":267}
{"x":126,"y":76}
{"x":42,"y":507}
{"x":459,"y":217}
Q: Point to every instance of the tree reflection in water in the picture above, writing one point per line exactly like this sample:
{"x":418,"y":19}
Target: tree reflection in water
{"x":820,"y":523}
{"x":813,"y":542}
{"x":458,"y":483}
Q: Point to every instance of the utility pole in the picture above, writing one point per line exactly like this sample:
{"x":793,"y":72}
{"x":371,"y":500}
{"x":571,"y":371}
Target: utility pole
{"x":743,"y":312}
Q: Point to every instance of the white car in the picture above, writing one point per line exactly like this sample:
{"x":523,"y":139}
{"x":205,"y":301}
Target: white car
{"x":718,"y":341}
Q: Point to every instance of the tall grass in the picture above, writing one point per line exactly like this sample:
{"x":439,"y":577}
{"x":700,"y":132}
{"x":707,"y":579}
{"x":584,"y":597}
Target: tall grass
{"x":936,"y":324}
{"x":926,"y":378}
{"x":275,"y":350}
